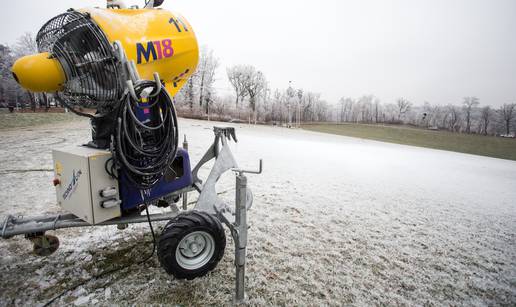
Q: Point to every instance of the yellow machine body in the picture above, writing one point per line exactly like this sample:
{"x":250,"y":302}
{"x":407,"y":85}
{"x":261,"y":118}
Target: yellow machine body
{"x":155,"y":39}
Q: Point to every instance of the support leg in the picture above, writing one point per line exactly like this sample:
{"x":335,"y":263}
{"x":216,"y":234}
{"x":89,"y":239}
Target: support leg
{"x":185,"y":194}
{"x":240,"y":237}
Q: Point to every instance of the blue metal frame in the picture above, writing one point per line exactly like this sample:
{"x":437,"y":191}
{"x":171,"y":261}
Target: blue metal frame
{"x":178,"y":177}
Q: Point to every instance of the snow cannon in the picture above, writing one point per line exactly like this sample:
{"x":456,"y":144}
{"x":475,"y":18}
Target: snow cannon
{"x":82,"y":52}
{"x":120,"y":67}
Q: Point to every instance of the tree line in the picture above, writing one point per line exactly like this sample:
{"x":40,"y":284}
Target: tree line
{"x":252,"y":100}
{"x":469,"y":117}
{"x":11,"y":94}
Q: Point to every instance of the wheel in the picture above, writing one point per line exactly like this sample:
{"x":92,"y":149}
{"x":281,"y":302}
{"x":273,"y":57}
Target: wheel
{"x":191,"y":245}
{"x":45,"y":245}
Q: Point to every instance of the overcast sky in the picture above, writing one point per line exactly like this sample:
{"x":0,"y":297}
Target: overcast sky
{"x":436,"y":51}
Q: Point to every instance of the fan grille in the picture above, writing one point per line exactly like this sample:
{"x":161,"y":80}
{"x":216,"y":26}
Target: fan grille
{"x":91,"y":68}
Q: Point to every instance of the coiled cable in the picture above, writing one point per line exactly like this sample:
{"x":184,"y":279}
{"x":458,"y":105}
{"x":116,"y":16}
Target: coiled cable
{"x":145,"y":146}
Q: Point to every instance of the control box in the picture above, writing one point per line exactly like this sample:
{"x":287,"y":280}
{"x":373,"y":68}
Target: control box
{"x":83,"y":187}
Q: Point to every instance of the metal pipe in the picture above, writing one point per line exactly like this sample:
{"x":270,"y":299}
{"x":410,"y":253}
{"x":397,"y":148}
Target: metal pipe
{"x":185,"y":195}
{"x":157,"y":80}
{"x":241,"y":236}
{"x":19,"y":227}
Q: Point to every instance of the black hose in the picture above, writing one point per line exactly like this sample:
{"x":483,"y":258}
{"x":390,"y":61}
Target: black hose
{"x":143,"y":150}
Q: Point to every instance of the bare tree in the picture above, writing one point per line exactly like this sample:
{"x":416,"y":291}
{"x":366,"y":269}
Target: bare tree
{"x":237,"y":77}
{"x":25,"y":45}
{"x":207,"y":102}
{"x":485,"y":116}
{"x":376,"y":110}
{"x":342,"y":112}
{"x":366,"y":105}
{"x":403,"y":106}
{"x":206,"y":72}
{"x":254,"y":85}
{"x":266,"y":104}
{"x":298,"y":107}
{"x":275,"y":106}
{"x":454,"y":118}
{"x":321,"y":111}
{"x":190,"y":91}
{"x":428,"y":114}
{"x":310,"y":102}
{"x":7,"y":84}
{"x":290,"y":95}
{"x":220,"y":106}
{"x":468,"y":104}
{"x":348,"y":107}
{"x":507,"y":114}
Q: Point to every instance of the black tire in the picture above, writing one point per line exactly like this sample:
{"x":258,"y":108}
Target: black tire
{"x":189,"y":224}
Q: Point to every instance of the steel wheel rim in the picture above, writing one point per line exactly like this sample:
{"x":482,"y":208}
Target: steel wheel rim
{"x":195,"y":250}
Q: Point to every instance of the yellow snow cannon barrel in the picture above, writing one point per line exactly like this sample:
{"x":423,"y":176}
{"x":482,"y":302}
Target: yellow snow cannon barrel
{"x":39,"y":73}
{"x":79,"y":59}
{"x":156,"y":40}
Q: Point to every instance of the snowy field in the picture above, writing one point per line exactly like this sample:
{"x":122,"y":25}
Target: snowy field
{"x":336,"y":221}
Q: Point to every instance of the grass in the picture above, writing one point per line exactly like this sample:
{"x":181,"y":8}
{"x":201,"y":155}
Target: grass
{"x":496,"y":147}
{"x":489,"y":146}
{"x":20,"y":120}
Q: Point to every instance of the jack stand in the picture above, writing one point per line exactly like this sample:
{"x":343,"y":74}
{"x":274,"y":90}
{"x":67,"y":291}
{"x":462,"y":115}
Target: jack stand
{"x":239,"y":233}
{"x":208,"y":201}
{"x":239,"y":229}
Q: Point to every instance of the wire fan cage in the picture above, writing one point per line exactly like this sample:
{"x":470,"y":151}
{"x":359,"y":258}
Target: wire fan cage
{"x":91,"y":68}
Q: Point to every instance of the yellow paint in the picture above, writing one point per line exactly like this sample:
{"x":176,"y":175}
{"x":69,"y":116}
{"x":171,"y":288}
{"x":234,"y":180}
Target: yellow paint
{"x":132,"y":27}
{"x":169,"y":86}
{"x":59,"y":168}
{"x":39,"y":73}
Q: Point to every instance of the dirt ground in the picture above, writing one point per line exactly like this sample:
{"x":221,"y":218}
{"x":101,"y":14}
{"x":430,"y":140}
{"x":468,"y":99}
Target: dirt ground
{"x":336,"y":221}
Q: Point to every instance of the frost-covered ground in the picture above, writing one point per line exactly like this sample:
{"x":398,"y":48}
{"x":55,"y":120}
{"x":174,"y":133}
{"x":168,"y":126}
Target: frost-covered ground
{"x":336,"y":221}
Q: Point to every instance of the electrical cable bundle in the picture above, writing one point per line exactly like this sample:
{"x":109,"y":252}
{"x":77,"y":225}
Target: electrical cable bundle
{"x":144,"y":149}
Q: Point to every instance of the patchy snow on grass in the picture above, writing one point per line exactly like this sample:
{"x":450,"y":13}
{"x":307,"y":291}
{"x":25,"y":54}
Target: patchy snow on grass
{"x":336,"y":220}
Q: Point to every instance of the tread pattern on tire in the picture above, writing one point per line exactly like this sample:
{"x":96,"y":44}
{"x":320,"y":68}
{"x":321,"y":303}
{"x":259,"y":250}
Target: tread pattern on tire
{"x":180,"y":226}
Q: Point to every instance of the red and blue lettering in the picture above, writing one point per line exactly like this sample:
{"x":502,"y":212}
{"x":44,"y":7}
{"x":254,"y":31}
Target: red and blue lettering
{"x":153,"y":50}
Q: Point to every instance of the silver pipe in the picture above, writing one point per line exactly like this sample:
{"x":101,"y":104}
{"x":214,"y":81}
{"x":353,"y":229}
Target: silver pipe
{"x":31,"y":225}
